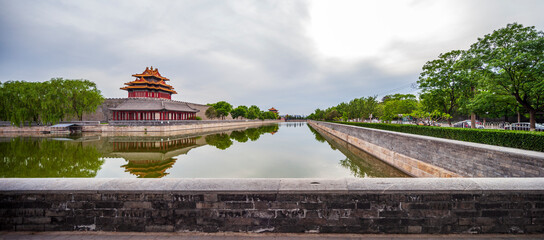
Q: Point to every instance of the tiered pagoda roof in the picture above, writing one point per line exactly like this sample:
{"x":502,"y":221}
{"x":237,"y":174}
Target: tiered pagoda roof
{"x":150,"y":79}
{"x":151,"y":73}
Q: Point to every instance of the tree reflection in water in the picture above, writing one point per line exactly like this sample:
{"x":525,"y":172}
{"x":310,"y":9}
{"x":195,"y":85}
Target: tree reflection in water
{"x":223,"y":140}
{"x":37,"y":158}
{"x":317,"y":135}
{"x":29,"y":157}
{"x":360,"y":163}
{"x":239,"y":136}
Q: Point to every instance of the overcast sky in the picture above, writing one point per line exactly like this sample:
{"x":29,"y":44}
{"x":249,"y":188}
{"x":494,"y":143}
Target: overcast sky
{"x":295,"y":56}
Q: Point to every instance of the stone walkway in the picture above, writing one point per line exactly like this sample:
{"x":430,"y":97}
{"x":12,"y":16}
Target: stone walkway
{"x":242,"y":236}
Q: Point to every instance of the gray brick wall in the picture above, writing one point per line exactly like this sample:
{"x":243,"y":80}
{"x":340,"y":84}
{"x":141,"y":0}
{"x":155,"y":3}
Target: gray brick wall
{"x":464,"y":158}
{"x":282,"y":205}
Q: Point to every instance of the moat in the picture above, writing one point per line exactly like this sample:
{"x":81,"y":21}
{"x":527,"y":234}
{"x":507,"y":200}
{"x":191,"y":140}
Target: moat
{"x":286,"y":150}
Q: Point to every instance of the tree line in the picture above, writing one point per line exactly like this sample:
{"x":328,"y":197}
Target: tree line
{"x":500,"y":75}
{"x":222,"y":109}
{"x":47,"y":102}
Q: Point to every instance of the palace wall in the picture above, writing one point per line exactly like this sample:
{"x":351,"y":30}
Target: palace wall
{"x":104,"y":114}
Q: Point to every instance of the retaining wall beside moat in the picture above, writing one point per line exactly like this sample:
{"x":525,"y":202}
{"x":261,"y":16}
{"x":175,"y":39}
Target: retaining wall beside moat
{"x":166,"y":126}
{"x":423,"y":156}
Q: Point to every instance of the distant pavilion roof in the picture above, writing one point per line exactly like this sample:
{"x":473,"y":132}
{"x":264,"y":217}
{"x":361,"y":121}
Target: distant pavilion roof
{"x":151,"y":73}
{"x":150,"y":104}
{"x":272,"y":109}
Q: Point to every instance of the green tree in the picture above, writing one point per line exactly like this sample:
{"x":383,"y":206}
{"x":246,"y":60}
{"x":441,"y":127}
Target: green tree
{"x":240,"y":111}
{"x":21,"y":101}
{"x":48,"y":102}
{"x":333,"y":114}
{"x":512,"y":60}
{"x":211,"y":113}
{"x":55,"y":103}
{"x":83,"y":97}
{"x":398,"y":104}
{"x":222,"y":109}
{"x":371,"y":108}
{"x":253,"y":112}
{"x":443,"y":83}
{"x":491,"y":105}
{"x":269,"y":115}
{"x":317,"y":115}
{"x":428,"y":118}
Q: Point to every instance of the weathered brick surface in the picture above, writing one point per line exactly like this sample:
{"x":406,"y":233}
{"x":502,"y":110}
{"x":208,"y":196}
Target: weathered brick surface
{"x":357,"y":212}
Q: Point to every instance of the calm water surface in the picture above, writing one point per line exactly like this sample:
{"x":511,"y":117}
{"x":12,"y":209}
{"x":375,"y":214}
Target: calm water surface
{"x":286,"y":150}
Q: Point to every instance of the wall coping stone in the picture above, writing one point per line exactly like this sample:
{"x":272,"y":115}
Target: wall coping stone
{"x":533,"y":154}
{"x":274,"y":185}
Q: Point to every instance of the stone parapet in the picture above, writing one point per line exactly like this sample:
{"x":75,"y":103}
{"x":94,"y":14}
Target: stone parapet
{"x":180,"y":127}
{"x":462,"y":205}
{"x":423,"y":156}
{"x":183,"y":126}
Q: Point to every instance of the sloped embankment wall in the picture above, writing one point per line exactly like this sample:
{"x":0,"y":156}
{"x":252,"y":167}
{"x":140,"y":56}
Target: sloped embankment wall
{"x":423,"y":156}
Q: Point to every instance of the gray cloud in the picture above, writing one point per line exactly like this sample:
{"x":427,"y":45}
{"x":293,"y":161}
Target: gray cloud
{"x":244,"y":52}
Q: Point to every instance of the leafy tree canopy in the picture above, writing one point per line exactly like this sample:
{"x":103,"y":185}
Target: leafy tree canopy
{"x":211,"y":113}
{"x":512,"y":60}
{"x":47,"y":102}
{"x":444,"y":83}
{"x":253,"y":112}
{"x":222,"y":109}
{"x":240,"y":111}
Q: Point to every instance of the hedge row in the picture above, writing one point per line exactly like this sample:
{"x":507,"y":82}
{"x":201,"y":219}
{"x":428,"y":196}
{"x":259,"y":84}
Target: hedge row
{"x":515,"y":139}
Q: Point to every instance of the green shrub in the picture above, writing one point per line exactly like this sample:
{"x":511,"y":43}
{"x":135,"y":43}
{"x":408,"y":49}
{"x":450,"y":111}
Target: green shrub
{"x":198,"y":118}
{"x":514,"y":139}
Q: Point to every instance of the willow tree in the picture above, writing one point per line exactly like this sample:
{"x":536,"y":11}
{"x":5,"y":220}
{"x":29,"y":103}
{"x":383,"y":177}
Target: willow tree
{"x":54,"y":104}
{"x":47,"y":102}
{"x":512,"y":60}
{"x":21,"y":101}
{"x":82,"y":96}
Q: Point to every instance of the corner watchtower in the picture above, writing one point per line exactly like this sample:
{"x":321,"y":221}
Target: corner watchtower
{"x":149,"y":84}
